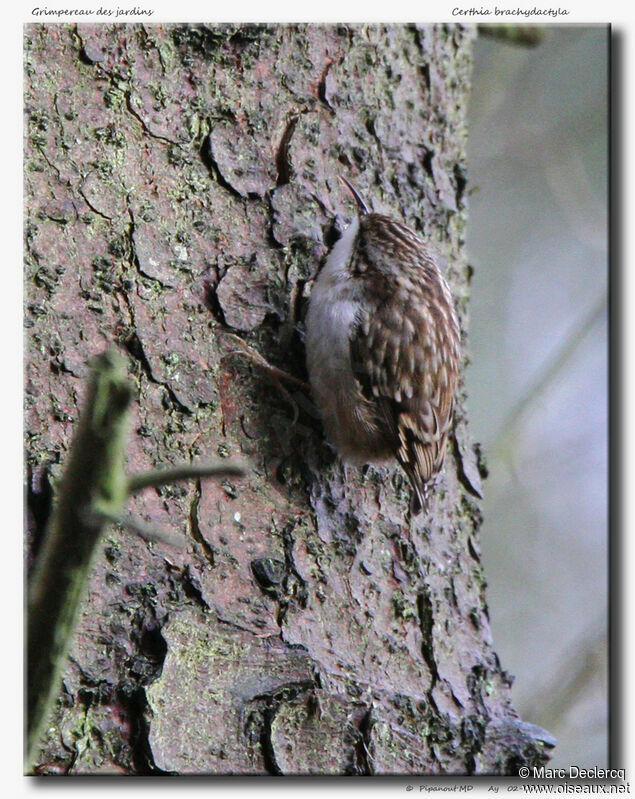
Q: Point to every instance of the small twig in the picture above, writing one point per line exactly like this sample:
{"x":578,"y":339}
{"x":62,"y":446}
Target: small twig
{"x":146,"y":531}
{"x":185,"y":471}
{"x":524,"y":35}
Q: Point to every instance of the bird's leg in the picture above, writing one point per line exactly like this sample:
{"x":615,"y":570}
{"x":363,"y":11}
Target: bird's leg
{"x":275,"y":375}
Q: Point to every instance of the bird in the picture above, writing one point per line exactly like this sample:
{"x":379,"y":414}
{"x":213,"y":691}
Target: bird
{"x":383,"y":348}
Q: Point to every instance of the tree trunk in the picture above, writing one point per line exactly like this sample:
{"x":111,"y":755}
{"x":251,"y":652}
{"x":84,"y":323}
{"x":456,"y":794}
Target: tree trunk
{"x":181,"y":184}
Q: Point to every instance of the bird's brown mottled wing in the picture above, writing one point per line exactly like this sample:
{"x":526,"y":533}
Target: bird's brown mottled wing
{"x":397,"y":358}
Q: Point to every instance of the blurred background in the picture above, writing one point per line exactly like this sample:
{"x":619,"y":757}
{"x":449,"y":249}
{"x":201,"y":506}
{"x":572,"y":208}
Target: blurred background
{"x":537,"y":239}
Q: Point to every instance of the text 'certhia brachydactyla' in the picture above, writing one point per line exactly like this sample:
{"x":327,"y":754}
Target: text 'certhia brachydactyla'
{"x":383,"y":348}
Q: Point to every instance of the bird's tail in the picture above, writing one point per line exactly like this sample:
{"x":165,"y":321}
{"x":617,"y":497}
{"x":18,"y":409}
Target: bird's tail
{"x":419,"y":498}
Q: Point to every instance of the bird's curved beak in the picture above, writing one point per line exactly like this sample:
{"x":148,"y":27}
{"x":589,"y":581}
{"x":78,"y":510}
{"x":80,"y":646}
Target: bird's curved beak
{"x":361,"y":205}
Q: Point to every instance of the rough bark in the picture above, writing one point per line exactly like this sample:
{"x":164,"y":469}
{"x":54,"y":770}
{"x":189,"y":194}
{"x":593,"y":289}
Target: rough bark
{"x":180,"y":183}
